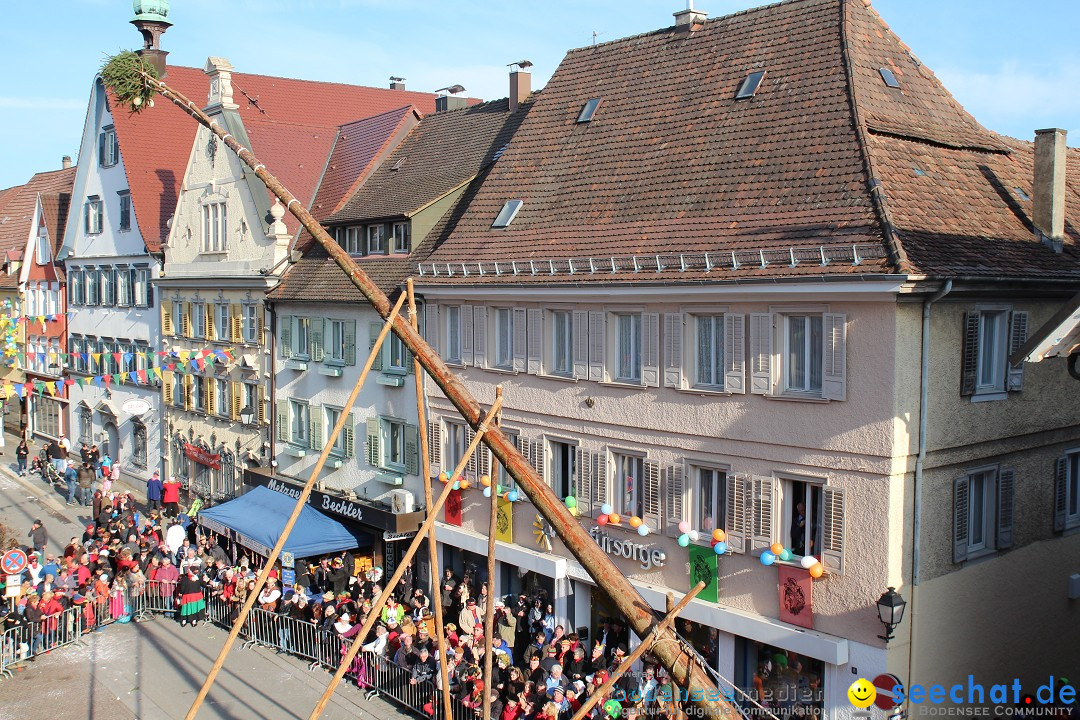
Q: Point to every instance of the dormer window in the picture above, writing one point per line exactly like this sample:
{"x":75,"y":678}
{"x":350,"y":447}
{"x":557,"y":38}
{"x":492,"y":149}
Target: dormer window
{"x":213,"y":229}
{"x":42,"y":246}
{"x":402,"y":239}
{"x":108,"y":148}
{"x":92,"y":215}
{"x":588,"y":110}
{"x":507,"y":214}
{"x":749,"y":86}
{"x":889,"y":77}
{"x":376,"y":239}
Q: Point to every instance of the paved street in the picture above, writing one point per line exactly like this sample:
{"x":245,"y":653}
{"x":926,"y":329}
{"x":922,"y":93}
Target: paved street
{"x":153,"y":670}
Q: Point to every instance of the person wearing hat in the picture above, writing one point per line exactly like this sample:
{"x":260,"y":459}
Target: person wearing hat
{"x":39,"y":536}
{"x":338,"y":576}
{"x":155,"y":490}
{"x":470,"y":616}
{"x":190,"y":598}
{"x":393,"y":609}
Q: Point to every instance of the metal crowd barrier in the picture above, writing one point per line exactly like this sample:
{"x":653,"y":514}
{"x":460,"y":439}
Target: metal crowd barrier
{"x":25,"y":642}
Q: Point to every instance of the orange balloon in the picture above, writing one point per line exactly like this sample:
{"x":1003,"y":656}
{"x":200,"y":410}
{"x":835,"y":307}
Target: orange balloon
{"x":635,"y":521}
{"x":464,"y":484}
{"x":817,"y":570}
{"x":614,"y":518}
{"x":719,"y":535}
{"x":777,"y":548}
{"x":485,"y":481}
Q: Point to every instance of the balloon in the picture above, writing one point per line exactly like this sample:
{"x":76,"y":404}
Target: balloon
{"x":512,"y":496}
{"x":694,"y":536}
{"x":613,"y":708}
{"x":635,"y":522}
{"x":465,"y":484}
{"x":498,"y":489}
{"x":719,"y":535}
{"x":817,"y":570}
{"x":607,"y":509}
{"x":785,"y":555}
{"x":614,"y":518}
{"x":571,"y":501}
{"x":487,"y":492}
{"x":461,"y":478}
{"x":643,"y":530}
{"x":684,"y":540}
{"x":485,"y":480}
{"x":684,"y":527}
{"x":720,"y":548}
{"x":601,"y":520}
{"x":457,"y":485}
{"x":777,"y":548}
{"x":444,"y":476}
{"x":574,"y":511}
{"x":767,"y":558}
{"x":808,"y":561}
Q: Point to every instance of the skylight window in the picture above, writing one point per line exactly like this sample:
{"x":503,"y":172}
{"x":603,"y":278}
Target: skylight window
{"x":399,"y":163}
{"x":749,"y":87}
{"x":589,"y":110}
{"x":499,"y":153}
{"x":507,"y":214}
{"x":888,"y":77}
{"x":1021,"y":194}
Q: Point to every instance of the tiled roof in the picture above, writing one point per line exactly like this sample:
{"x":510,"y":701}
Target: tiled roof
{"x":155,"y":144}
{"x":818,"y":164}
{"x":17,"y":212}
{"x":55,"y":207}
{"x":317,"y":278}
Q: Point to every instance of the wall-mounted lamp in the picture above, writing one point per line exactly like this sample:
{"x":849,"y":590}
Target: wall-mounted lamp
{"x":890,"y":607}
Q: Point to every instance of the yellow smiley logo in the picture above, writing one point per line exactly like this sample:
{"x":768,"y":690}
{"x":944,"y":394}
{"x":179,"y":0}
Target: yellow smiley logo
{"x":862,"y":693}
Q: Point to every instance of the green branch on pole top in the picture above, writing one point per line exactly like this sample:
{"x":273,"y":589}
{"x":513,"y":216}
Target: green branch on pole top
{"x":129,"y":77}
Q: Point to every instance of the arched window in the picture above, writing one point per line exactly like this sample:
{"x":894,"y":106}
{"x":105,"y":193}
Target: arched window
{"x":86,"y":425}
{"x":180,"y":461}
{"x":202,"y":475}
{"x":230,"y":484}
{"x":138,"y":446}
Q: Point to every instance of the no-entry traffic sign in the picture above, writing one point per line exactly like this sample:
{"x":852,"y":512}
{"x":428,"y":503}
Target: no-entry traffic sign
{"x":884,"y":684}
{"x":13,"y":562}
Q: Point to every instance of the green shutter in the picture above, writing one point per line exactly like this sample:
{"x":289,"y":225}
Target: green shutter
{"x":315,"y":342}
{"x":409,"y":361}
{"x":348,"y":438}
{"x":350,"y":342}
{"x":373,"y":429}
{"x":316,"y":435}
{"x":412,"y":450}
{"x":373,"y":334}
{"x":283,"y":420}
{"x":285,"y":335}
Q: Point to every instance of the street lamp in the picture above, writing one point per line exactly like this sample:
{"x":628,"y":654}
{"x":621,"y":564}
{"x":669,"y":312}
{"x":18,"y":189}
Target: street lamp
{"x":247,"y":414}
{"x":890,"y":607}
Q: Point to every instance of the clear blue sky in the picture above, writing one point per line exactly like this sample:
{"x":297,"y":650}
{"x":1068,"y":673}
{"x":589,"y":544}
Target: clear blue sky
{"x":1014,"y":65}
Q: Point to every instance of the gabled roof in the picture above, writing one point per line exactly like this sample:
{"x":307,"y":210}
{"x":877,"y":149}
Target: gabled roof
{"x":20,"y":204}
{"x":675,"y":178}
{"x":155,"y":144}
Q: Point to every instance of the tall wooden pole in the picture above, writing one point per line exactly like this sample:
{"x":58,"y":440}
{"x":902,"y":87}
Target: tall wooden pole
{"x":301,"y":501}
{"x":626,"y":598}
{"x":433,"y":549}
{"x":427,"y":527}
{"x":489,"y":609}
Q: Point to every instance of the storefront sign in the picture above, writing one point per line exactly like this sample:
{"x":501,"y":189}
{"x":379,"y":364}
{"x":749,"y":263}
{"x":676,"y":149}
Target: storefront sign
{"x":646,"y":556}
{"x":395,"y":536}
{"x":703,"y":569}
{"x":196,"y":453}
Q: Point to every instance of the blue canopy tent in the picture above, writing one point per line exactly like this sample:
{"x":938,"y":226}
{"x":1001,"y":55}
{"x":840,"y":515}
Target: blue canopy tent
{"x":257,"y":518}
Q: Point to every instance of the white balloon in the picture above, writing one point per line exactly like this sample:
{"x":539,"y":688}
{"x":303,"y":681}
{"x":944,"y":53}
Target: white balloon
{"x":693,"y":535}
{"x":808,"y":561}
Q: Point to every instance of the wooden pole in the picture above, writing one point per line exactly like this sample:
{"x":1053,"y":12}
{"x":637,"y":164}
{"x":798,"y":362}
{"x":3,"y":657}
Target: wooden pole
{"x":427,"y":527}
{"x":600,"y":567}
{"x":489,"y":610}
{"x":433,"y":549}
{"x":646,"y":644}
{"x":301,"y":501}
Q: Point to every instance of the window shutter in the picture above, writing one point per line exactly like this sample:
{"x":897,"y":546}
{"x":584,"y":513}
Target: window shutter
{"x":260,"y":328}
{"x":432,"y":329}
{"x":960,"y":519}
{"x":675,"y":494}
{"x":582,"y":479}
{"x":236,"y":324}
{"x":673,"y":342}
{"x":833,"y":367}
{"x":412,"y":450}
{"x":761,"y":353}
{"x":101,"y":149}
{"x":315,"y":437}
{"x":283,"y":420}
{"x":166,"y":320}
{"x":434,"y":431}
{"x":409,"y":359}
{"x":480,"y":336}
{"x":185,"y":326}
{"x":832,"y":534}
{"x":483,"y":462}
{"x":350,"y":342}
{"x":470,"y":466}
{"x":1006,"y":492}
{"x":970,"y":359}
{"x":651,"y":506}
{"x":1061,"y":480}
{"x":236,"y":397}
{"x":761,"y":533}
{"x":525,"y":447}
{"x":315,"y":340}
{"x":650,"y":349}
{"x":535,"y":339}
{"x":597,"y":345}
{"x":520,"y":340}
{"x":600,"y":480}
{"x":209,"y":321}
{"x":1018,"y":332}
{"x":734,"y":353}
{"x":738,"y":490}
{"x":188,"y":382}
{"x":580,"y":330}
{"x":167,"y":391}
{"x":538,"y":455}
{"x":260,"y":409}
{"x":348,"y":436}
{"x":465,"y":315}
{"x":374,"y":427}
{"x":373,"y":334}
{"x":285,"y":335}
{"x":210,"y":386}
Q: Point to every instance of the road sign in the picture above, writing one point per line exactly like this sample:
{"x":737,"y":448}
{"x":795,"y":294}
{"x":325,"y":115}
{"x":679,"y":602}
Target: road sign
{"x":884,"y":684}
{"x":13,"y":562}
{"x":13,"y":586}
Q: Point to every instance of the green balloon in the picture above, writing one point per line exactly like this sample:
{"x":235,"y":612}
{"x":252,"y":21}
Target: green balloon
{"x":613,"y":708}
{"x":571,"y":501}
{"x":786,"y":555}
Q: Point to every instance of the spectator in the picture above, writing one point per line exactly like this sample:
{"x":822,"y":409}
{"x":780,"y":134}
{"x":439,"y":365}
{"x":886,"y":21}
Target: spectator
{"x":155,"y":489}
{"x":39,"y":536}
{"x":191,"y":599}
{"x":171,"y":495}
{"x":85,"y":478}
{"x":22,"y":452}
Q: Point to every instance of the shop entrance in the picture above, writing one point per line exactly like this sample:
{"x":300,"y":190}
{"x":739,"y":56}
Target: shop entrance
{"x":791,"y":685}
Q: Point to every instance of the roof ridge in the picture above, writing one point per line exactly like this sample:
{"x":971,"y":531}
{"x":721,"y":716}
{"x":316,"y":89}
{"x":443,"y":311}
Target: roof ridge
{"x":403,"y":108}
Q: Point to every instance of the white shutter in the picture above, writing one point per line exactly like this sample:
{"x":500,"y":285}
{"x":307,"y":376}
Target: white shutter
{"x":434,"y":446}
{"x":761,"y":530}
{"x":538,"y":451}
{"x":465,"y":312}
{"x":535,"y":342}
{"x":580,"y":330}
{"x":1018,"y":332}
{"x":674,"y":492}
{"x":739,"y":488}
{"x":650,"y":349}
{"x":834,"y":365}
{"x":599,"y":480}
{"x":432,"y":329}
{"x":651,"y":512}
{"x":480,"y":336}
{"x":734,"y":353}
{"x":520,"y":340}
{"x":832,"y":534}
{"x":761,"y":353}
{"x":582,"y":480}
{"x":374,"y":446}
{"x":597,"y":345}
{"x":1006,"y":492}
{"x":673,"y":342}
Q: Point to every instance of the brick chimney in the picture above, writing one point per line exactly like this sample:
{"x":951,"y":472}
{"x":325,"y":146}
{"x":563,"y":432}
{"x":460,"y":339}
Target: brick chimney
{"x":65,"y":162}
{"x":397,"y":83}
{"x":520,"y":83}
{"x":151,"y":18}
{"x":689,"y":20}
{"x":450,"y":98}
{"x":1048,"y":198}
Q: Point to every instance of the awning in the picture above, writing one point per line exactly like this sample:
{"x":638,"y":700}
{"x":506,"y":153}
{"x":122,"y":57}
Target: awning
{"x":258,"y":517}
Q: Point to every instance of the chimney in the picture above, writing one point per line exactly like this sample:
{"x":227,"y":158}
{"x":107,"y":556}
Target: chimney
{"x":397,"y":83}
{"x":1048,"y":198}
{"x":450,"y":100}
{"x":689,"y":20}
{"x":520,"y":83}
{"x":151,"y":18}
{"x":65,"y":162}
{"x":221,"y":89}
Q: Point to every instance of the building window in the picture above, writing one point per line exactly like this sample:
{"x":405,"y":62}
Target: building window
{"x":629,"y":485}
{"x":221,"y":322}
{"x":454,"y":445}
{"x":709,"y":494}
{"x":76,"y":288}
{"x":138,"y":447}
{"x":453,"y":334}
{"x":502,"y":477}
{"x":125,"y":210}
{"x":41,"y":250}
{"x":350,"y":239}
{"x":563,"y":471}
{"x":93,"y":215}
{"x":221,"y":398}
{"x":562,"y":353}
{"x":90,"y":281}
{"x":397,"y":356}
{"x":393,"y":443}
{"x":504,"y":338}
{"x":628,"y":341}
{"x":214,"y":219}
{"x":402,"y":242}
{"x":46,"y":415}
{"x":1069,"y":495}
{"x":301,"y":336}
{"x":86,"y":425}
{"x":142,"y":287}
{"x":376,"y":239}
{"x":803,"y":352}
{"x":710,"y":352}
{"x":251,"y":400}
{"x":335,"y":340}
{"x":125,"y":286}
{"x":332,"y":417}
{"x":108,"y":148}
{"x":198,"y":320}
{"x":298,"y":430}
{"x":801,"y":513}
{"x":990,"y":371}
{"x":198,"y":393}
{"x":108,"y":287}
{"x":251,"y":324}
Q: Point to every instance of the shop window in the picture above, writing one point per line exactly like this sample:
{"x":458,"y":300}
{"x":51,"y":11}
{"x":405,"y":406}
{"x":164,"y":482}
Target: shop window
{"x":629,"y":485}
{"x":789,"y":684}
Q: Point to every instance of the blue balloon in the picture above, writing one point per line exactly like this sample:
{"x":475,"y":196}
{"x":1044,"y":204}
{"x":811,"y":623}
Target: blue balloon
{"x":643,"y":530}
{"x":606,"y":509}
{"x":720,"y":548}
{"x":487,"y":492}
{"x":457,"y":485}
{"x":768,"y":558}
{"x":684,"y":540}
{"x":512,"y":496}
